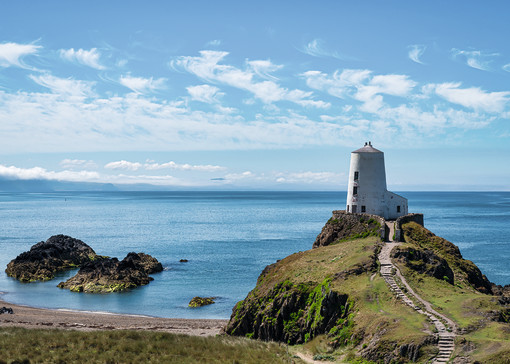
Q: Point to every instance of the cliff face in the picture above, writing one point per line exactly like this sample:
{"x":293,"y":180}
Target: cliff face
{"x":333,"y":291}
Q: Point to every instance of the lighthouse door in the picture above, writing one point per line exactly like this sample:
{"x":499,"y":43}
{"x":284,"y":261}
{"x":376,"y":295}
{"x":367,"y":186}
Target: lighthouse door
{"x":354,"y":209}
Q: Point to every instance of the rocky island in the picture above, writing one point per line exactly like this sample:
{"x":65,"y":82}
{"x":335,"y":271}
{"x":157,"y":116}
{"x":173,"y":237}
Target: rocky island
{"x":111,"y":275}
{"x":97,"y":274}
{"x":336,"y":298}
{"x":44,"y":259}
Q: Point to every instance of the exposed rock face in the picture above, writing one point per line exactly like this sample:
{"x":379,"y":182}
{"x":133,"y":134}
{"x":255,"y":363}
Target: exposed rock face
{"x":425,"y":262}
{"x":44,"y":259}
{"x":291,"y":313}
{"x":348,"y":226}
{"x":111,"y":275}
{"x":201,"y":301}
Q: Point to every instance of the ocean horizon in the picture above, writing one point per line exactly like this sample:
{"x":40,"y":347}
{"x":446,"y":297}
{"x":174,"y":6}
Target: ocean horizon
{"x":228,"y":237}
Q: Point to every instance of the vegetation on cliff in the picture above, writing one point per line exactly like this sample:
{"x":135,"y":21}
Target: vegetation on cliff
{"x":44,"y":259}
{"x":333,"y":294}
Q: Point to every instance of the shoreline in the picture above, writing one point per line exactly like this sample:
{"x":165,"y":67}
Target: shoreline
{"x":65,"y":319}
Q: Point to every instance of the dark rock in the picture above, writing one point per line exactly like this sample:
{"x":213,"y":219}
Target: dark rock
{"x":183,"y":260}
{"x":44,"y":259}
{"x":201,"y":301}
{"x":111,"y":275}
{"x":425,"y":262}
{"x":348,"y":226}
{"x":6,"y":310}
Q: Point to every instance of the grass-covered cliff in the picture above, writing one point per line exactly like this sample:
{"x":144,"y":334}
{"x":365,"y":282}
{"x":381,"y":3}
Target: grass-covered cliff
{"x":332,"y":299}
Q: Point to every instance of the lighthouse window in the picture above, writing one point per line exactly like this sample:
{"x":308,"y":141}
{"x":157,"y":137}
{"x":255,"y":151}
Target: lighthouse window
{"x":356,"y":175}
{"x":347,"y":208}
{"x":363,"y":208}
{"x":398,"y":208}
{"x":355,"y":190}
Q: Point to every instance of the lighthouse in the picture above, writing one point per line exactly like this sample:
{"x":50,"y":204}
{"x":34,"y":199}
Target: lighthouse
{"x":367,"y":191}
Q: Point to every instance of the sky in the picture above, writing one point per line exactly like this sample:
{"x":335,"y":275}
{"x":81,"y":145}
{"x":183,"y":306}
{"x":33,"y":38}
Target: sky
{"x":255,"y":95}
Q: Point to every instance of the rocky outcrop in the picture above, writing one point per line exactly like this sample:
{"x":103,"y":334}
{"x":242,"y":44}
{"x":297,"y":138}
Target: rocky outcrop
{"x":44,"y":259}
{"x":111,"y":275}
{"x":292,"y":313}
{"x":201,"y":301}
{"x":345,"y":226}
{"x":425,"y":262}
{"x":433,"y":247}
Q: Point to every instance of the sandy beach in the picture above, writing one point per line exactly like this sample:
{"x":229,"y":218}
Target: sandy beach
{"x":31,"y":317}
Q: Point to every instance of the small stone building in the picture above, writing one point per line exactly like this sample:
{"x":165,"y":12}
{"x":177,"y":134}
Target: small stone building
{"x":367,"y":191}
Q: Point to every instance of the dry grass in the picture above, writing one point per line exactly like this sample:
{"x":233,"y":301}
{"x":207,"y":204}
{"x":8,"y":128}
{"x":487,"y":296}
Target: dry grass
{"x":59,"y":346}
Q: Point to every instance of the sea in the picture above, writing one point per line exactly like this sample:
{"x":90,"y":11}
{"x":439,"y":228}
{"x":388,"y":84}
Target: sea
{"x":227,"y":238}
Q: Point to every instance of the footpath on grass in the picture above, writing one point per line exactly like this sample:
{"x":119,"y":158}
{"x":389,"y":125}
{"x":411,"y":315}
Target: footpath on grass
{"x":446,"y":328}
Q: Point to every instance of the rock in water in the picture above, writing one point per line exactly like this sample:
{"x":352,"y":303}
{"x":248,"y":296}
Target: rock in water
{"x":111,"y":275}
{"x":44,"y":259}
{"x":201,"y":301}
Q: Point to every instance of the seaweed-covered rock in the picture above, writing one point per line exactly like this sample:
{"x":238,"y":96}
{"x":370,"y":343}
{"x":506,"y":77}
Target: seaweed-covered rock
{"x":44,"y":259}
{"x":111,"y":275}
{"x":201,"y":301}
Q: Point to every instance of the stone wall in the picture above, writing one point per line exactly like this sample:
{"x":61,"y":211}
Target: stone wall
{"x":417,"y":218}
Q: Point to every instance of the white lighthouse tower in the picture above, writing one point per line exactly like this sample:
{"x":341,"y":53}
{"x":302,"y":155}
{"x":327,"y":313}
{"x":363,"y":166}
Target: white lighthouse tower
{"x":367,"y":191}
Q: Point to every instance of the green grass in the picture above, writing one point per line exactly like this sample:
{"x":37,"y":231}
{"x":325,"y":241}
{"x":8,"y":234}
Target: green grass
{"x":59,"y":346}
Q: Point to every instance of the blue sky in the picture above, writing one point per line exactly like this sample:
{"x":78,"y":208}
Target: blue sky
{"x":259,"y":95}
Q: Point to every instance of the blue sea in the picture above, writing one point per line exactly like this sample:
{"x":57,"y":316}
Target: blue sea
{"x":227,"y":237}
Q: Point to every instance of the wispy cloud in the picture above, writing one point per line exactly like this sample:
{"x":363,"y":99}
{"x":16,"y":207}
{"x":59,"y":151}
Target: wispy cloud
{"x":11,"y":54}
{"x":64,"y":86}
{"x":77,"y":164}
{"x":214,"y":43}
{"x":472,"y":97}
{"x":474,"y":58}
{"x":506,"y":67}
{"x":142,"y":85}
{"x":317,"y":48}
{"x":415,"y":52}
{"x":151,"y":166}
{"x":360,"y":85}
{"x":205,"y":93}
{"x":88,"y":58}
{"x":208,"y":67}
{"x":308,"y":177}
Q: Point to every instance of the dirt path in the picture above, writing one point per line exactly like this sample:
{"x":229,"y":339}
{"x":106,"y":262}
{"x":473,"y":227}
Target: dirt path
{"x":446,"y":332}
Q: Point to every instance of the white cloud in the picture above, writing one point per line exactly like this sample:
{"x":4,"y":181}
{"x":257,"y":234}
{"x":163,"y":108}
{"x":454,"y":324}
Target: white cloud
{"x":39,"y":173}
{"x":316,"y":48}
{"x":415,"y":52}
{"x":184,"y":167}
{"x":205,"y":93}
{"x":308,"y":177}
{"x":11,"y":54}
{"x":214,"y":43}
{"x":475,"y":59}
{"x":88,"y":58}
{"x":151,"y":166}
{"x":77,"y":163}
{"x":207,"y":67}
{"x":125,"y":165}
{"x":472,"y":97}
{"x":360,"y":85}
{"x":65,"y":86}
{"x":142,"y":85}
{"x":506,"y":67}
